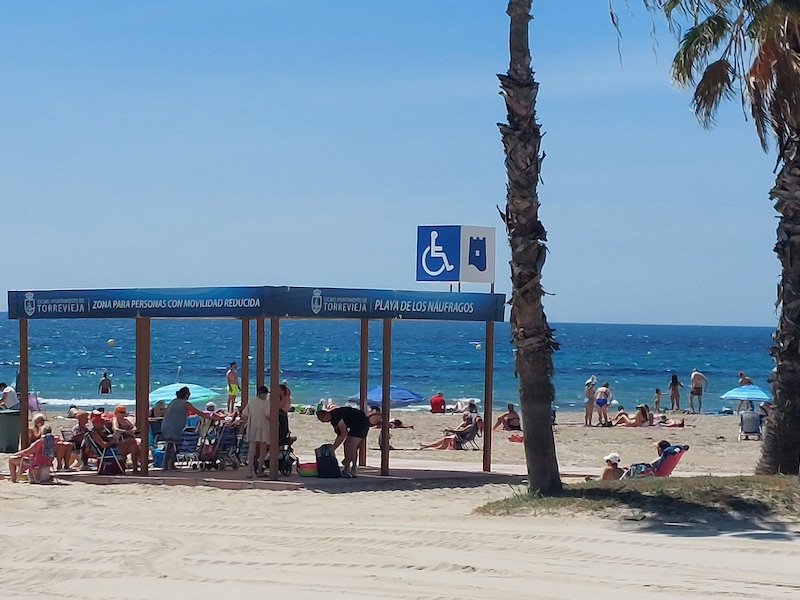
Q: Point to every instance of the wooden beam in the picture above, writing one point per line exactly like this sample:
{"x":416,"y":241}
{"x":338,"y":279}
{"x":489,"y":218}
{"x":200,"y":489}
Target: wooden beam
{"x":488,"y":391}
{"x":22,"y":384}
{"x":142,"y":386}
{"x":363,"y":381}
{"x":386,"y":381}
{"x":274,"y":393}
{"x":259,"y":352}
{"x":244,"y":373}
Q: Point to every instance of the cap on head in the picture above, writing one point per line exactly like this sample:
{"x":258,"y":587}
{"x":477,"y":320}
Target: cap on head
{"x":211,"y":406}
{"x":613,"y":457}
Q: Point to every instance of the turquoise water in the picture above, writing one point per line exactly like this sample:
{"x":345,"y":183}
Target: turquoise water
{"x":320,"y":358}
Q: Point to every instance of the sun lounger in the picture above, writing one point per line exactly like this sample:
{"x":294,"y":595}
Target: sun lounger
{"x":749,"y":425}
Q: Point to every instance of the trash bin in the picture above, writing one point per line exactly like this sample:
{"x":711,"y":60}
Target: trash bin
{"x":9,"y":431}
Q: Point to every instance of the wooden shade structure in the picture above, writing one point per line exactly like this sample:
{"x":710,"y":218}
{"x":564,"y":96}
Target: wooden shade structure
{"x":259,"y":304}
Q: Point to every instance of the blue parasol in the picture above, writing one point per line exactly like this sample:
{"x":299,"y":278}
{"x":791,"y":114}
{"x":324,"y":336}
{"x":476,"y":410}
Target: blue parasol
{"x":198,"y":393}
{"x":747,"y":392}
{"x":400,"y":396}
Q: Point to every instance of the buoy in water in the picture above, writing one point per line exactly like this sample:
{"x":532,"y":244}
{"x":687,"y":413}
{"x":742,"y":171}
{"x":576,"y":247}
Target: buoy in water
{"x":478,"y":346}
{"x":111,"y":342}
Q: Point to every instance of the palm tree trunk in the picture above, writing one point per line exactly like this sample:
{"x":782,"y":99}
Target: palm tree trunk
{"x":531,"y":335}
{"x":781,"y":450}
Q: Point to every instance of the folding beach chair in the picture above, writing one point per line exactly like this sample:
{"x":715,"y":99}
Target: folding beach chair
{"x":110,"y":462}
{"x":749,"y":425}
{"x":465,"y":440}
{"x":35,"y":406}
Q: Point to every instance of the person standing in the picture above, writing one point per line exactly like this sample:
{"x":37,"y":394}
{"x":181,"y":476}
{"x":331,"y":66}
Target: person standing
{"x":746,"y":404}
{"x":675,"y":393}
{"x":174,"y":422}
{"x":697,"y":387}
{"x":232,"y":379}
{"x":588,"y":392}
{"x":256,"y":417}
{"x":602,"y":397}
{"x":104,"y":387}
{"x":351,"y":426}
{"x":10,"y":399}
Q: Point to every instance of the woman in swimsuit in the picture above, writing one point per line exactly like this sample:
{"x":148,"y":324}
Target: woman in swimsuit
{"x":601,"y":399}
{"x":509,"y":421}
{"x":675,"y":393}
{"x":588,"y":392}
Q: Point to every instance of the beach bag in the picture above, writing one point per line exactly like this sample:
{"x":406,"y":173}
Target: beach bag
{"x":327,"y":465}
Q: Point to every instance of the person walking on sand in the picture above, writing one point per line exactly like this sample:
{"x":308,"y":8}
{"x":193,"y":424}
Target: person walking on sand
{"x":351,"y":426}
{"x":675,"y":393}
{"x":588,"y":405}
{"x":104,"y":387}
{"x":697,"y":387}
{"x":602,"y":397}
{"x":232,"y":379}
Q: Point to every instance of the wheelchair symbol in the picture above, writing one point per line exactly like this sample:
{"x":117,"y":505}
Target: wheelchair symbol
{"x":435,"y":251}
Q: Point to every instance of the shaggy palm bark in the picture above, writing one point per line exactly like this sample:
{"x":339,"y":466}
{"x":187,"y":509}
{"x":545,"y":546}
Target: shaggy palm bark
{"x":531,"y":335}
{"x":781,"y":449}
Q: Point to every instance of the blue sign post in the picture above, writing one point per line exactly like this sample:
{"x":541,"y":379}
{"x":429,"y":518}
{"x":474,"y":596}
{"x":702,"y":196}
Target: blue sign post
{"x":438,"y":253}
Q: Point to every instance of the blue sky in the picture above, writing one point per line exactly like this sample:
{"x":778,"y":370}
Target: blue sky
{"x":190,"y":143}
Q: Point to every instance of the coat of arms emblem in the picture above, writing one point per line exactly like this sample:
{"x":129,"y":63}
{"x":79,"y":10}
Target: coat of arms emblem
{"x":30,"y":304}
{"x":316,"y":301}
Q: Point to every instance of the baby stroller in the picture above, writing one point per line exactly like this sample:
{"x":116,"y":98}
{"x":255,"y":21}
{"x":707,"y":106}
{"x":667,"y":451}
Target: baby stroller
{"x":286,"y":455}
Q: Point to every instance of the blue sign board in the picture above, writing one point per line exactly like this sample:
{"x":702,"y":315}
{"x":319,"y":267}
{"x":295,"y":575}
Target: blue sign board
{"x":438,"y":253}
{"x":128,"y":303}
{"x":249,"y":302}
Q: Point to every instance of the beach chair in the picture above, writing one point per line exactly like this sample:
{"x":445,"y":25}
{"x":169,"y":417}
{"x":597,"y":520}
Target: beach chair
{"x":466,"y":440}
{"x":35,"y":406}
{"x":187,"y":451}
{"x":663,"y":467}
{"x":110,"y":462}
{"x":749,"y":425}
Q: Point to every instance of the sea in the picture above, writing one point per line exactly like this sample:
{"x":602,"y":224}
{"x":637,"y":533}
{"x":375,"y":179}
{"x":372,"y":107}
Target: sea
{"x":319,"y":359}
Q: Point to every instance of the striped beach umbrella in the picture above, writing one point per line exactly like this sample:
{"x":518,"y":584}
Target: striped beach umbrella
{"x":747,"y":392}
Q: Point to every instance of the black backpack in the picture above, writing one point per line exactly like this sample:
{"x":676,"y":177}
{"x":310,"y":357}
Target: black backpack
{"x":327,"y":465}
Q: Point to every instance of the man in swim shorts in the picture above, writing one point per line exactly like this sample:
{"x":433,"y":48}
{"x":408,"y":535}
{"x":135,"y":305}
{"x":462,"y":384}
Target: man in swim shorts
{"x":697,"y":385}
{"x":232,"y":378}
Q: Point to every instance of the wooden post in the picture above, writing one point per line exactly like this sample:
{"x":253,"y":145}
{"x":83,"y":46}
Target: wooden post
{"x":244,"y":374}
{"x":274,"y":393}
{"x":142,"y":393}
{"x":488,"y":387}
{"x":22,"y":384}
{"x":259,"y":352}
{"x":386,"y":382}
{"x":363,"y":381}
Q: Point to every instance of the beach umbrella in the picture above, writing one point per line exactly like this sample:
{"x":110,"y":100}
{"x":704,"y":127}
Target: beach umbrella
{"x":747,"y":392}
{"x":398,"y":395}
{"x":167,"y":393}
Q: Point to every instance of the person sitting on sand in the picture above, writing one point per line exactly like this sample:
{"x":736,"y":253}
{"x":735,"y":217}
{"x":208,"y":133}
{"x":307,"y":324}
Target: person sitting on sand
{"x":612,"y":471}
{"x":640,"y":419}
{"x":602,"y":397}
{"x":450,"y":439}
{"x":509,"y":420}
{"x":438,"y":404}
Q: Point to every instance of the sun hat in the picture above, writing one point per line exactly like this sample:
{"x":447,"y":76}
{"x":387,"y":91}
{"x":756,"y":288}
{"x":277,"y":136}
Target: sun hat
{"x":613,"y":457}
{"x":591,"y":381}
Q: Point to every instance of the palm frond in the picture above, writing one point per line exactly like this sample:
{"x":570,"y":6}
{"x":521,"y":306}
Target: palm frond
{"x":695,"y":47}
{"x":714,"y":86}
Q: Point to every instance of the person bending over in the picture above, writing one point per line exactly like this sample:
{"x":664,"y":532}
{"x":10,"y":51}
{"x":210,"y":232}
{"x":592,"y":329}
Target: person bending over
{"x":351,"y":427}
{"x":510,"y":420}
{"x":175,"y":421}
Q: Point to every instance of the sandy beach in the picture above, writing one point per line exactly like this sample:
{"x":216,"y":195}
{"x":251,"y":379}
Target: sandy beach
{"x":80,"y":541}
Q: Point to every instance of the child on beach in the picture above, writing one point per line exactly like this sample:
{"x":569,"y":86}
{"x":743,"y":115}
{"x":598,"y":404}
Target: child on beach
{"x":657,"y":401}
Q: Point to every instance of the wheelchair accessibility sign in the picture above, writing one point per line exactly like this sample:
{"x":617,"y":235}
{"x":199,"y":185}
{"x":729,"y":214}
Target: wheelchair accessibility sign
{"x":455,"y":253}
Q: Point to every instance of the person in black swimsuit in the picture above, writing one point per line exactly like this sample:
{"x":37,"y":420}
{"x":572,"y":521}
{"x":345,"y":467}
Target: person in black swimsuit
{"x":351,"y":426}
